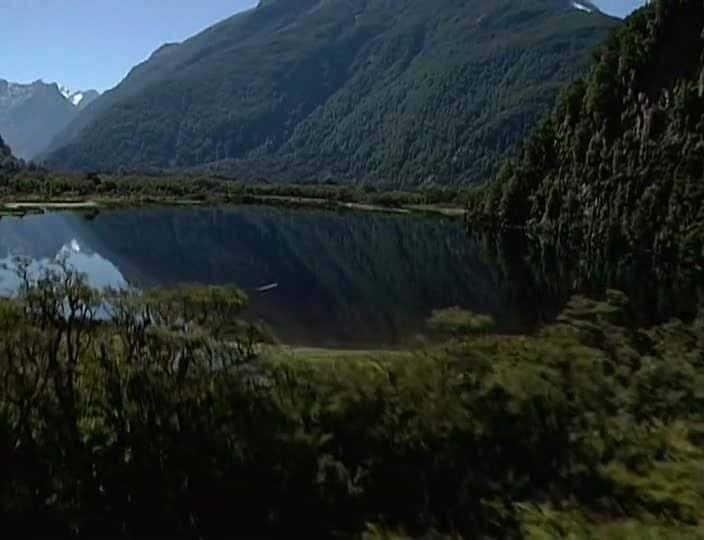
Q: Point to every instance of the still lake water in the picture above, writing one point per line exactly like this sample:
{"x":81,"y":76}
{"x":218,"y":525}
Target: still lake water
{"x":343,"y":280}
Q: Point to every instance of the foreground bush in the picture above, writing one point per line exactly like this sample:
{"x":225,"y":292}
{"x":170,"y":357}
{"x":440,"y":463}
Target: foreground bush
{"x":159,"y":415}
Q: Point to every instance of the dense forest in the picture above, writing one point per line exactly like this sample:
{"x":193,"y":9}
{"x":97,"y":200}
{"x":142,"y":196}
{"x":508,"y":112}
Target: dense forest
{"x":364,"y":90}
{"x":617,"y":168}
{"x":161,"y":415}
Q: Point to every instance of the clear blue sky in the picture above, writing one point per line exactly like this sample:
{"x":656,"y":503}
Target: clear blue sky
{"x":94,"y":43}
{"x":620,"y":8}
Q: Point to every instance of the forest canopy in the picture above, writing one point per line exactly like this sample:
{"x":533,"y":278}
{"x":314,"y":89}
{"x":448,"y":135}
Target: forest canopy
{"x":619,"y":164}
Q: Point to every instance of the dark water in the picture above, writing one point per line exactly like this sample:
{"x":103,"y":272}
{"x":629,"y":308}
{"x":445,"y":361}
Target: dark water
{"x":347,"y":280}
{"x":343,"y":279}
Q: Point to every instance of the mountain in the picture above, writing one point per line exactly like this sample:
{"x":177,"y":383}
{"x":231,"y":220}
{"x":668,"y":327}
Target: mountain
{"x":79,"y":98}
{"x":589,"y":7}
{"x":402,"y":91}
{"x":4,"y":150}
{"x":31,"y":115}
{"x":7,"y":160}
{"x":619,"y":165}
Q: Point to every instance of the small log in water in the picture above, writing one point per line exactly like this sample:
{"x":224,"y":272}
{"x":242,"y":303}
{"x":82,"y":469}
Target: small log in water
{"x":267,"y":288}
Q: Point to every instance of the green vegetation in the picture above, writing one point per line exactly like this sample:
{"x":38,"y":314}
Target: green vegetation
{"x":35,"y":188}
{"x":137,"y":416}
{"x":166,"y":414}
{"x":362,"y":90}
{"x":535,"y":277}
{"x":618,"y":167}
{"x":8,"y":163}
{"x":456,"y":322}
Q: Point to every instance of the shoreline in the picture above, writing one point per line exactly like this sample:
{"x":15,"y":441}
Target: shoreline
{"x":26,"y":206}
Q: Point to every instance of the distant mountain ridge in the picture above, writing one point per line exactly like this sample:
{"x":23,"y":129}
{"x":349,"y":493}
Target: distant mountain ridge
{"x":31,"y":115}
{"x":402,"y":91}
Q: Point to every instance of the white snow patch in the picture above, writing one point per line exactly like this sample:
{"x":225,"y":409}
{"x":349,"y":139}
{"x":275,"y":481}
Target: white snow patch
{"x":74,"y":96}
{"x":582,"y":7}
{"x":65,"y":91}
{"x":77,"y":98}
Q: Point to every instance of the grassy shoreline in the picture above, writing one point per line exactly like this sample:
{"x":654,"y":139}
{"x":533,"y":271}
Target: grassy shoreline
{"x":26,"y":206}
{"x":38,"y":190}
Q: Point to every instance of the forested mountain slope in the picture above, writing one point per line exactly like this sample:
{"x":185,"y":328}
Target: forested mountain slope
{"x":619,"y":165}
{"x":402,"y":91}
{"x":7,"y":160}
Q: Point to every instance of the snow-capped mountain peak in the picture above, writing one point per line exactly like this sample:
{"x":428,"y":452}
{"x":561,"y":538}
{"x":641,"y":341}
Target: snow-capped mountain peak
{"x":582,"y":7}
{"x":65,"y":91}
{"x":78,"y":98}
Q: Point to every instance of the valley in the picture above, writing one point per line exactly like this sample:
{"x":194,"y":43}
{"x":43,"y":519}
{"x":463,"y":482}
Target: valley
{"x":362,"y":269}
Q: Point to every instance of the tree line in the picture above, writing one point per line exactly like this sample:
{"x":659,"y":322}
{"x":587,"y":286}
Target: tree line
{"x":618,"y":166}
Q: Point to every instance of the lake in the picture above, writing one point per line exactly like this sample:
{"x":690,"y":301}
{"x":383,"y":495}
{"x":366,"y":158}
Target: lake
{"x":315,"y":278}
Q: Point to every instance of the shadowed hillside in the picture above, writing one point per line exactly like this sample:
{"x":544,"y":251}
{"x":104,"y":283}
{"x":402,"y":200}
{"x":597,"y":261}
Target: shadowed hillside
{"x":359,"y":90}
{"x":8,"y":163}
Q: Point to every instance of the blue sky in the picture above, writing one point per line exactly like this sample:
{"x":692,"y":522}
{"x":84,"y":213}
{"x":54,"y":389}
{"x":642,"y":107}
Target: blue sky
{"x":620,"y":8}
{"x":94,"y":43}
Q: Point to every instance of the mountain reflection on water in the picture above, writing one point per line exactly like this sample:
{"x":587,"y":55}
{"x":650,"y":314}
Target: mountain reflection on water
{"x":100,"y":272}
{"x":342,"y":279}
{"x":327,"y":279}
